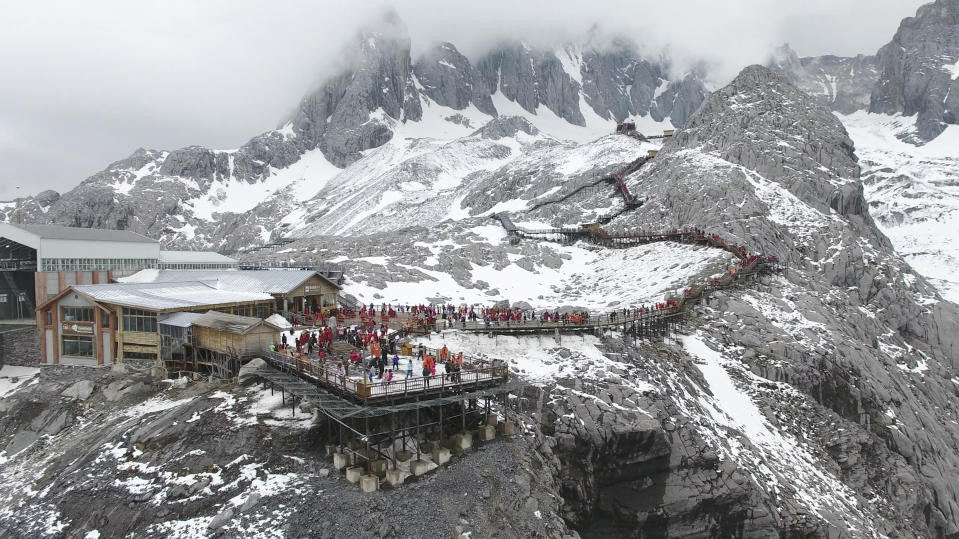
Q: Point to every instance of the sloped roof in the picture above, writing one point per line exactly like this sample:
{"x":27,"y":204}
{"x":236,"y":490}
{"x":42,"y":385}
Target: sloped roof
{"x":55,"y":232}
{"x":229,"y":323}
{"x":262,"y":281}
{"x":180,"y":320}
{"x":277,"y":320}
{"x":194,"y":257}
{"x":166,"y":296}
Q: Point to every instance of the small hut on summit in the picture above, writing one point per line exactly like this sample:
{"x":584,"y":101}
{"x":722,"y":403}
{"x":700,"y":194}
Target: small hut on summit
{"x":240,"y":336}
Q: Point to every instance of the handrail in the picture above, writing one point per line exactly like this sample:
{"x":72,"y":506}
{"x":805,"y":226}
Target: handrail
{"x":366,"y":390}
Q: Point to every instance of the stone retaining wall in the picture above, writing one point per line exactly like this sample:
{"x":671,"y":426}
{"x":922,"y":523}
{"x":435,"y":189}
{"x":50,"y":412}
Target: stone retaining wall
{"x":20,"y":347}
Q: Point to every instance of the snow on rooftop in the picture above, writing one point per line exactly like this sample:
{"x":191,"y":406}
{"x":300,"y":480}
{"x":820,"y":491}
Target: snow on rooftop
{"x":259,"y":281}
{"x":54,"y":232}
{"x":166,"y":296}
{"x":194,"y":257}
{"x":278,"y":321}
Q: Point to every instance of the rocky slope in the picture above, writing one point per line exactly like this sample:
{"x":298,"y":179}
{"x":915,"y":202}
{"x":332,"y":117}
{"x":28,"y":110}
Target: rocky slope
{"x":815,"y":402}
{"x":843,"y":84}
{"x":228,"y":199}
{"x":919,"y":69}
{"x":822,"y":396}
{"x":913,"y":192}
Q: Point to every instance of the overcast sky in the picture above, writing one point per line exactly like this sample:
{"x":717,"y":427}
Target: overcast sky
{"x":86,"y":83}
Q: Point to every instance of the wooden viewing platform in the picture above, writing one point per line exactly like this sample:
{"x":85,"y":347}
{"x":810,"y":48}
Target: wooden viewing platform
{"x":474,"y":374}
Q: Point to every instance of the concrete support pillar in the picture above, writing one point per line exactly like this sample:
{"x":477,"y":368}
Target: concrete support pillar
{"x":342,"y":460}
{"x":462,"y":442}
{"x":441,"y":455}
{"x":507,"y":428}
{"x":487,"y":433}
{"x":378,"y":467}
{"x":369,"y":483}
{"x":354,"y":473}
{"x":419,"y":467}
{"x":395,"y":477}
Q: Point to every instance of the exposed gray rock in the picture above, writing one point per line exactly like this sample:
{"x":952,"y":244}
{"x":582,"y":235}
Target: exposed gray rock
{"x":80,"y":390}
{"x":843,"y":84}
{"x":618,"y":83}
{"x":506,"y":126}
{"x":530,"y":78}
{"x":448,"y":79}
{"x":914,"y":76}
{"x":221,"y":519}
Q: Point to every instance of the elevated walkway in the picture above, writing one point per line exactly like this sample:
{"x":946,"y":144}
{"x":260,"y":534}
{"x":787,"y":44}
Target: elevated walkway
{"x":339,"y":407}
{"x":473,"y":376}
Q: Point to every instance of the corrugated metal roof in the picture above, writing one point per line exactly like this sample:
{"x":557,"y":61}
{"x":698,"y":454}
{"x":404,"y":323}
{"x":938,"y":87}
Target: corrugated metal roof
{"x":54,"y":232}
{"x":230,"y":323}
{"x":180,"y":320}
{"x":167,"y":296}
{"x":264,"y":281}
{"x":194,"y":257}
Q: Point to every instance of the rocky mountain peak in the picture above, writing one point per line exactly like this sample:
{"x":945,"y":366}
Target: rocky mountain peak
{"x":506,"y":126}
{"x":760,"y":106}
{"x":844,"y":84}
{"x":448,"y":78}
{"x":919,"y":69}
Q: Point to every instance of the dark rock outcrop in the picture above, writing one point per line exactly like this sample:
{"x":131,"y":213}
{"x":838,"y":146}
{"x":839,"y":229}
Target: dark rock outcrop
{"x":448,"y":78}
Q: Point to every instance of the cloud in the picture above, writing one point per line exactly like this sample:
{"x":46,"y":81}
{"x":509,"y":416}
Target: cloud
{"x":86,"y":83}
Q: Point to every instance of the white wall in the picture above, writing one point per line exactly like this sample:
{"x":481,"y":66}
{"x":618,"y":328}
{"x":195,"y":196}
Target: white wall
{"x":50,"y":346}
{"x":50,"y":248}
{"x":107,"y":343}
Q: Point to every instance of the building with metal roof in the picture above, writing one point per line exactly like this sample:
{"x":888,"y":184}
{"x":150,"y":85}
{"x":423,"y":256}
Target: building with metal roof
{"x":103,"y":323}
{"x":303,"y":290}
{"x":39,"y":261}
{"x":70,"y":233}
{"x":195,"y":260}
{"x":164,"y":297}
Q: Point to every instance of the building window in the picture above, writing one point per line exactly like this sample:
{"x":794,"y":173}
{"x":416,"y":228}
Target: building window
{"x":141,"y":321}
{"x":48,"y":317}
{"x":105,"y":320}
{"x":96,"y":264}
{"x":76,"y":314}
{"x":77,"y":346}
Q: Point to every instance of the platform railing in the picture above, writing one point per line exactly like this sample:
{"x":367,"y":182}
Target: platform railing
{"x":327,"y":374}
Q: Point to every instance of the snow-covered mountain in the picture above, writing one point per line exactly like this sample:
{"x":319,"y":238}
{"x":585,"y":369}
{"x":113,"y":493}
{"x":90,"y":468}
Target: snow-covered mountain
{"x":817,"y":401}
{"x":229,"y":199}
{"x":919,"y":70}
{"x":805,"y":401}
{"x":841,"y":83}
{"x":907,"y":142}
{"x":913,"y":192}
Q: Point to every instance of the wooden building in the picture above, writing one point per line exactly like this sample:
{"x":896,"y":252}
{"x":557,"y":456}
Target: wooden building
{"x":103,"y":324}
{"x":242,"y":336}
{"x":292,"y":290}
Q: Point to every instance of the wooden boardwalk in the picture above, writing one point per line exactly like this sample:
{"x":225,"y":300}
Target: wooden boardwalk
{"x":474,"y":374}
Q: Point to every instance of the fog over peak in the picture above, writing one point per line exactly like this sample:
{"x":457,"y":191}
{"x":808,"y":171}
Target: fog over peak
{"x":88,"y":83}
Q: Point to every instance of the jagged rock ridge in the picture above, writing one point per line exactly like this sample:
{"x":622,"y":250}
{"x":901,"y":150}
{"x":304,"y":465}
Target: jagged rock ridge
{"x":919,"y":69}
